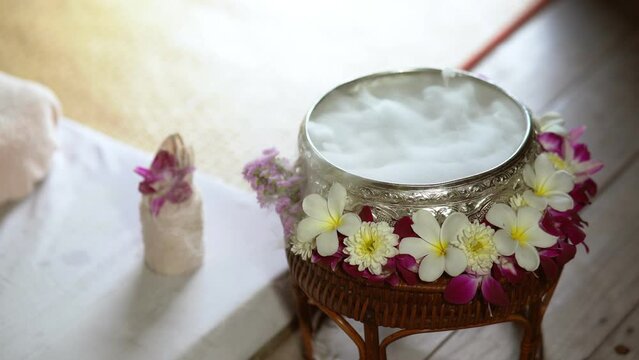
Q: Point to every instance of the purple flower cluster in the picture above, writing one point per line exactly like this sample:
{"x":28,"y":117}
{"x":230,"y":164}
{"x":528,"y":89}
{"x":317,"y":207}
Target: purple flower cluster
{"x":276,"y":183}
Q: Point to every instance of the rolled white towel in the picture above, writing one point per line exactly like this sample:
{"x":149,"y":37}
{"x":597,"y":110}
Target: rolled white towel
{"x":28,"y":116}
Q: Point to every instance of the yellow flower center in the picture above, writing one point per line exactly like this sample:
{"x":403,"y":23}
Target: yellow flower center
{"x":440,"y":248}
{"x":476,"y":241}
{"x":369,"y":244}
{"x":477,"y":244}
{"x":557,"y":161}
{"x":541,"y":190}
{"x":519,"y":235}
{"x":334,"y":223}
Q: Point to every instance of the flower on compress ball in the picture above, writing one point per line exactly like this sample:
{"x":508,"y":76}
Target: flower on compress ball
{"x":325,"y":219}
{"x":165,"y":181}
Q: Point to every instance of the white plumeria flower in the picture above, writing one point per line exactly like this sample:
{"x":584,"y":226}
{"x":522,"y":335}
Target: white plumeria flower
{"x":432,"y":245}
{"x":519,"y":234}
{"x":325,"y":219}
{"x":371,"y":246}
{"x":551,"y":122}
{"x":549,"y":186}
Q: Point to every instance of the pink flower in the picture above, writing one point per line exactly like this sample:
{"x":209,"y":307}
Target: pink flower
{"x":332,"y":260}
{"x":583,"y":193}
{"x":165,"y":181}
{"x":401,"y":267}
{"x":462,"y":289}
{"x":569,"y":155}
{"x":566,"y":225}
{"x":508,"y":269}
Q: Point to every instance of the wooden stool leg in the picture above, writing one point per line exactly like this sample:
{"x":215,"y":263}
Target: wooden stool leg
{"x":532,"y":343}
{"x":305,"y":321}
{"x":371,"y":338}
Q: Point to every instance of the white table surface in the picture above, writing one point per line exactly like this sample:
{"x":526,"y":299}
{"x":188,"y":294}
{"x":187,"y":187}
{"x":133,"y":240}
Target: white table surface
{"x":72,"y":280}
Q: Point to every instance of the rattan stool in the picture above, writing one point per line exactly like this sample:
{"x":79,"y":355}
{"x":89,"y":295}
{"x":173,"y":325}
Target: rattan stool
{"x":414,"y":309}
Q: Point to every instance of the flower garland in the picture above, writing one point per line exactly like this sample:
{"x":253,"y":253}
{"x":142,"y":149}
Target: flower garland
{"x":537,"y":229}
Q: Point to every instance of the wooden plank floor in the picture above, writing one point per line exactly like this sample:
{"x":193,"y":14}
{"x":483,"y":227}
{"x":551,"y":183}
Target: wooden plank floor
{"x":580,"y":58}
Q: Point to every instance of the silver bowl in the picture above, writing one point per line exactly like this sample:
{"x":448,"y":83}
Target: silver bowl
{"x":472,"y":195}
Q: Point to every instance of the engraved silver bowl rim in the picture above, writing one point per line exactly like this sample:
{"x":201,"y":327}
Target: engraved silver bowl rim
{"x":514,"y":157}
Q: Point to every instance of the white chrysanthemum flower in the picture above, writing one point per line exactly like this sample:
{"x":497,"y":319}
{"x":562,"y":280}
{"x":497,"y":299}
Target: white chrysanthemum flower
{"x":476,"y":241}
{"x":325,"y":218}
{"x":517,"y":201}
{"x":549,"y":187}
{"x":302,"y":248}
{"x":551,"y":122}
{"x":432,"y":246}
{"x":371,"y":246}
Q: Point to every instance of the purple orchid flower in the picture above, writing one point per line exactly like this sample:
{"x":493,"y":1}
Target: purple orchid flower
{"x":165,"y":181}
{"x":564,"y":224}
{"x":400,"y":267}
{"x":508,"y":269}
{"x":462,"y":289}
{"x":333,"y":260}
{"x":553,"y":259}
{"x":583,"y":193}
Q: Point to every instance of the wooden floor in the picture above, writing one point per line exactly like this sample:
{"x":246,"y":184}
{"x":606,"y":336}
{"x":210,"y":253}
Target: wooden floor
{"x":580,"y":58}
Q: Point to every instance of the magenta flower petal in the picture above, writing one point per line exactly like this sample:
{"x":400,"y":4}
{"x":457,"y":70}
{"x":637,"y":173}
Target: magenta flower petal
{"x":354,"y":272}
{"x":549,"y":267}
{"x":461,"y":289}
{"x":551,"y":142}
{"x":410,"y":277}
{"x":568,"y":252}
{"x":509,"y":269}
{"x":550,"y":252}
{"x":576,"y":133}
{"x":145,"y":188}
{"x":163,"y":160}
{"x":179,"y":193}
{"x":366,"y":214}
{"x":403,"y":228}
{"x":393,"y":279}
{"x":144,"y":172}
{"x":575,"y":234}
{"x":493,"y":292}
{"x":593,"y":167}
{"x":407,"y":268}
{"x":351,"y":270}
{"x":581,"y":152}
{"x":407,"y":262}
{"x":156,"y":205}
{"x":583,"y":192}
